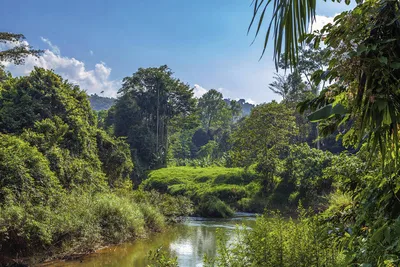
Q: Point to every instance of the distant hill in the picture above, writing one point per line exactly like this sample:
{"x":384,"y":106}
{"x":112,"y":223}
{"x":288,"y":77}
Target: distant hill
{"x":246,"y":107}
{"x":101,"y":103}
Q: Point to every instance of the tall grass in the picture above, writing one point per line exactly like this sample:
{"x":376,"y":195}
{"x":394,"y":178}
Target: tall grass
{"x":277,"y":241}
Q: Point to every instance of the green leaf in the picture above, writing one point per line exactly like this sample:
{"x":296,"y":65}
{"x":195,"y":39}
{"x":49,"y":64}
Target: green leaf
{"x":326,"y":112}
{"x":339,"y":109}
{"x":383,"y":60}
{"x":395,"y":65}
{"x":320,"y":114}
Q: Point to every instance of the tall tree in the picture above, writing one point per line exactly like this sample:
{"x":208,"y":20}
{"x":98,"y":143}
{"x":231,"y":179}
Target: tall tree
{"x":236,"y":110}
{"x":261,"y":137}
{"x":310,"y":60}
{"x":214,"y":112}
{"x":150,"y":98}
{"x":290,"y":87}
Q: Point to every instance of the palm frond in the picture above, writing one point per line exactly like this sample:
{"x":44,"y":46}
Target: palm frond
{"x":289,"y":21}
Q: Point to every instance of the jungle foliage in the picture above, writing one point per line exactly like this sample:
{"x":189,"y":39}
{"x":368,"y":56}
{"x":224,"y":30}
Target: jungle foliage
{"x":65,"y":183}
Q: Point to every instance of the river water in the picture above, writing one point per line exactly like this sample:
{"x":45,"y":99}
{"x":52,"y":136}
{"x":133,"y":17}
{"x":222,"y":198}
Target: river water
{"x":189,"y":241}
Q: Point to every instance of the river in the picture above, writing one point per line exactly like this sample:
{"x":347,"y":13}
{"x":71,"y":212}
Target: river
{"x":188,"y":241}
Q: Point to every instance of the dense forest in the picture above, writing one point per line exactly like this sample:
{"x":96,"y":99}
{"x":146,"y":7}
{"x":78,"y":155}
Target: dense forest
{"x":80,"y":172}
{"x":74,"y":178}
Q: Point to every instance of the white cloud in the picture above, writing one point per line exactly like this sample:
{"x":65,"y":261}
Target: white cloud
{"x":199,"y":91}
{"x":91,"y":52}
{"x":251,"y":101}
{"x":321,"y":21}
{"x":75,"y":71}
{"x":53,"y":48}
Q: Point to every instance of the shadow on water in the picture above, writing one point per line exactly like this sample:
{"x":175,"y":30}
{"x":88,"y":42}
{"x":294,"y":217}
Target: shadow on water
{"x":189,"y":241}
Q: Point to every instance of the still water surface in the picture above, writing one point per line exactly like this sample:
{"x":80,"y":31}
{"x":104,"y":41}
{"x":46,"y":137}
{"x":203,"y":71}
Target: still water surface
{"x":189,"y":241}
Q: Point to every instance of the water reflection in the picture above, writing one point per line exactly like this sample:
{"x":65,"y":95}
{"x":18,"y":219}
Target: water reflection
{"x":189,"y":241}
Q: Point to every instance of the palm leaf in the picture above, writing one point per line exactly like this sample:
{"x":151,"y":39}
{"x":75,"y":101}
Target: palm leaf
{"x":289,"y":21}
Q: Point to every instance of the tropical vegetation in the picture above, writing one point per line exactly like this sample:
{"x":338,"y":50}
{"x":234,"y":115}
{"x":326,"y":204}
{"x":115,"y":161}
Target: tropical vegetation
{"x":72,"y":178}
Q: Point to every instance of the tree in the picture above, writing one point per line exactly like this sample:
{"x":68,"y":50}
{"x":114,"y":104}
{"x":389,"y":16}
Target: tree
{"x":236,"y":110}
{"x":310,"y":60}
{"x":150,"y":99}
{"x":280,"y":86}
{"x":290,"y":87}
{"x":214,"y":112}
{"x":363,"y":103}
{"x":261,"y":137}
{"x":55,"y":117}
{"x":18,"y":50}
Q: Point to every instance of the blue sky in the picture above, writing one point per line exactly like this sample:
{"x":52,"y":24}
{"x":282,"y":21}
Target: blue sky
{"x":97,"y":43}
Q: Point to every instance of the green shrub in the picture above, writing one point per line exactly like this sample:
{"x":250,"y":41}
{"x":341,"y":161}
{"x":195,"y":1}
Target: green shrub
{"x":25,"y":173}
{"x":228,"y":193}
{"x":76,"y":224}
{"x":24,"y":227}
{"x":276,"y":241}
{"x":153,"y":218}
{"x":214,"y":207}
{"x":172,"y":207}
{"x":160,"y":258}
{"x":81,"y":221}
{"x":254,"y":203}
{"x":119,"y":218}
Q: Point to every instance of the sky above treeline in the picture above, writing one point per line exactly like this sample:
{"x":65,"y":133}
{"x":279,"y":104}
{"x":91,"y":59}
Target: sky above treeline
{"x":97,"y":43}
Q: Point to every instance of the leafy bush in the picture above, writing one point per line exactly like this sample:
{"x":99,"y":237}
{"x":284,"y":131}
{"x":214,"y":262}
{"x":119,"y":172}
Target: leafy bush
{"x":276,"y":241}
{"x":115,"y":157}
{"x":214,"y":207}
{"x":364,"y":212}
{"x":81,"y":221}
{"x":153,"y":218}
{"x":119,"y":219}
{"x":171,"y":207}
{"x":302,"y":176}
{"x":25,"y":175}
{"x":299,"y":178}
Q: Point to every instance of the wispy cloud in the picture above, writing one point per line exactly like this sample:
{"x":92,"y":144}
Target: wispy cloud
{"x":91,"y":52}
{"x":53,"y":48}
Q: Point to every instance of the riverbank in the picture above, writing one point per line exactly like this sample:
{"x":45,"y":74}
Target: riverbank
{"x":83,"y":223}
{"x":188,"y":241}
